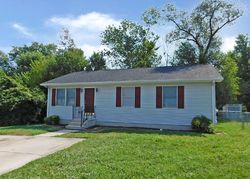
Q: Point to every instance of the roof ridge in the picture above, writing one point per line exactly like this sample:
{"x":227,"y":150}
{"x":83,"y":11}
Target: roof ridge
{"x":140,"y":68}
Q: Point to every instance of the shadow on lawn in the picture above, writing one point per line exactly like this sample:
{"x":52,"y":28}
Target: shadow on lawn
{"x":33,"y":127}
{"x":142,"y":131}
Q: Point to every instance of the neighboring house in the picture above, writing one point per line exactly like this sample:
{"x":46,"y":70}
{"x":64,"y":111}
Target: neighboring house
{"x":162,"y":97}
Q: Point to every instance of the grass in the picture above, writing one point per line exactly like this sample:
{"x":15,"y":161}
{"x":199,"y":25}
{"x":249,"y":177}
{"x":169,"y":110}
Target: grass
{"x":131,"y":153}
{"x":27,"y":129}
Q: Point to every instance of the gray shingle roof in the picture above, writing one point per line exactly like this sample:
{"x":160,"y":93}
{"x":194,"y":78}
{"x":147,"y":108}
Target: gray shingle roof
{"x":167,"y":73}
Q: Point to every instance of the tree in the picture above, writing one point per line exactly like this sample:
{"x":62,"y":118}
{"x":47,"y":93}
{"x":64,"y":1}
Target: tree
{"x":228,"y":90}
{"x":22,"y":99}
{"x":242,"y":52}
{"x":37,"y":74}
{"x":5,"y":63}
{"x":65,"y":39}
{"x":131,"y":45}
{"x":18,"y":104}
{"x":25,"y":55}
{"x":68,"y":61}
{"x":25,"y":60}
{"x":97,"y":62}
{"x":185,"y":54}
{"x":200,"y":27}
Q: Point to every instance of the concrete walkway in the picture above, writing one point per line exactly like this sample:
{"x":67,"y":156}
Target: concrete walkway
{"x":16,"y":151}
{"x":57,"y":133}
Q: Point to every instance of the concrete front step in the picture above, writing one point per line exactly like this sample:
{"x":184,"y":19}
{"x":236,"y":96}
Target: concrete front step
{"x":76,"y":124}
{"x":73,"y":127}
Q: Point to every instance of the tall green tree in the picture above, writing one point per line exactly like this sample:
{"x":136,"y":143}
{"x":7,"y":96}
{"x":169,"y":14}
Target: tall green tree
{"x":67,"y":61}
{"x":25,"y":60}
{"x":242,"y":51}
{"x":130,"y":45}
{"x":68,"y":58}
{"x":200,"y":26}
{"x":228,"y":90}
{"x":22,"y":99}
{"x":5,"y":64}
{"x":23,"y":56}
{"x":185,"y":54}
{"x":38,"y":73}
{"x":97,"y":62}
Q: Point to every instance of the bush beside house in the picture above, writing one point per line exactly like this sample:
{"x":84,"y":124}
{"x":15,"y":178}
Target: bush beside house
{"x":202,"y":124}
{"x":52,"y":120}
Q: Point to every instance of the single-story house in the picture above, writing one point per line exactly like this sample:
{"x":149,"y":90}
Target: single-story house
{"x":161,"y":97}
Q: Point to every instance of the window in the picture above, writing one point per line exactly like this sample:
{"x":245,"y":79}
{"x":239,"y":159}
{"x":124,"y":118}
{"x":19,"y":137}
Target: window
{"x":71,"y":97}
{"x":60,"y":97}
{"x":170,"y":96}
{"x":128,"y":96}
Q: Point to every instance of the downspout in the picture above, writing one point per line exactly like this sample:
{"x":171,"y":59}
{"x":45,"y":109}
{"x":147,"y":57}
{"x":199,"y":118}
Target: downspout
{"x":48,"y":100}
{"x":213,"y":103}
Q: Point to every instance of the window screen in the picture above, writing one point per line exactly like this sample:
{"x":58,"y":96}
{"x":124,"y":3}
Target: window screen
{"x":170,"y":96}
{"x":60,"y":97}
{"x":71,"y":97}
{"x":128,"y":96}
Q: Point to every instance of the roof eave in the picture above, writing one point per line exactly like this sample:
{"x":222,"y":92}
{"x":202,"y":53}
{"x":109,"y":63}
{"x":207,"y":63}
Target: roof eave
{"x":128,"y":82}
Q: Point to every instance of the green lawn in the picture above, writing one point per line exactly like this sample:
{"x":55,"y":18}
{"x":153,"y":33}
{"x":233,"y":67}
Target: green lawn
{"x":148,"y":154}
{"x":27,"y":129}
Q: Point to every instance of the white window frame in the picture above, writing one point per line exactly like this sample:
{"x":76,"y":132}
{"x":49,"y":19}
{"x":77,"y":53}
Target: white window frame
{"x":177,"y":96}
{"x":122,"y":101}
{"x":64,"y":97}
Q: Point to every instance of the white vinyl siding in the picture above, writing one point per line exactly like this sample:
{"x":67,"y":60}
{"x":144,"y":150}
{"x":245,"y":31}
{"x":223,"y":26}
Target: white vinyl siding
{"x":71,"y":97}
{"x":60,"y":97}
{"x":128,"y":96}
{"x":170,"y":96}
{"x":197,"y":98}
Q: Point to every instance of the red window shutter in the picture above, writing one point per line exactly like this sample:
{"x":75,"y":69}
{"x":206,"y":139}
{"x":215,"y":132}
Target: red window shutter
{"x":118,"y":96}
{"x":181,"y":97}
{"x":78,"y":97}
{"x":159,"y":97}
{"x":53,"y":97}
{"x":137,"y":97}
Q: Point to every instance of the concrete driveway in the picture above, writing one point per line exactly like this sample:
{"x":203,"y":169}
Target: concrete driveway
{"x":16,"y":151}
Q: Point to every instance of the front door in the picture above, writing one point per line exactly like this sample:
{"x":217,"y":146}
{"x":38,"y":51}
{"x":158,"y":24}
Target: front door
{"x":89,"y":100}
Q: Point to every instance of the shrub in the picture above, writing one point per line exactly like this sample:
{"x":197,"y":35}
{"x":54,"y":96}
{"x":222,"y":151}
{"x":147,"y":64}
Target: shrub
{"x":202,"y":124}
{"x":19,"y":104}
{"x":52,"y":120}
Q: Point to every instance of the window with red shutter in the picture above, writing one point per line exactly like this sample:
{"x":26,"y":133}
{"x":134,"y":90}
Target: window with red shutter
{"x":159,"y":97}
{"x":118,"y":96}
{"x":137,"y":97}
{"x":181,"y":97}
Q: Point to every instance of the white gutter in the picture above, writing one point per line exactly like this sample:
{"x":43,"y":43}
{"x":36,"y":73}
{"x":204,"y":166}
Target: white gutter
{"x":128,"y":82}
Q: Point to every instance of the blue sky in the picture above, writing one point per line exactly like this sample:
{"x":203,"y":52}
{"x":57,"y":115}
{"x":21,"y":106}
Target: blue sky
{"x":24,"y":21}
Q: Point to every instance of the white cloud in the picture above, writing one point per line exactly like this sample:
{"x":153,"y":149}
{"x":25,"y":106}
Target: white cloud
{"x":85,"y":29}
{"x":228,"y":44}
{"x":93,"y":21}
{"x":89,"y":49}
{"x":22,"y":29}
